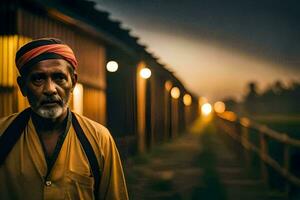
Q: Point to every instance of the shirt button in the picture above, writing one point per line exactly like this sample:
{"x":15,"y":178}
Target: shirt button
{"x":48,"y":183}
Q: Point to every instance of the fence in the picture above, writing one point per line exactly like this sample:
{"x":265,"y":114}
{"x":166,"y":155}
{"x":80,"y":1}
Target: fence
{"x":243,"y":130}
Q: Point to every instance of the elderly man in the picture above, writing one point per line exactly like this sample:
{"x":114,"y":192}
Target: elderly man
{"x":47,"y":151}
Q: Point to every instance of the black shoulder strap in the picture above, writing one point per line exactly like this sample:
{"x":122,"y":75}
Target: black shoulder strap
{"x":89,"y":153}
{"x":12,"y":134}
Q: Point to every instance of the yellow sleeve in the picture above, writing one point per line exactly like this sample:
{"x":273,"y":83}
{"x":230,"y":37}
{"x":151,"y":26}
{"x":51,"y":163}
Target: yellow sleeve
{"x":112,"y":183}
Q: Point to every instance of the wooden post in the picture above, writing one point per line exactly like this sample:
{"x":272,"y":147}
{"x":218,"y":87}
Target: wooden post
{"x":237,"y":131}
{"x":141,"y":110}
{"x":175,"y":118}
{"x":263,"y":154}
{"x":238,"y":135}
{"x":286,"y":162}
{"x":245,"y":142}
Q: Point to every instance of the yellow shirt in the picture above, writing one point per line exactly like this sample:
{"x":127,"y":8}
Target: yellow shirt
{"x":22,"y":174}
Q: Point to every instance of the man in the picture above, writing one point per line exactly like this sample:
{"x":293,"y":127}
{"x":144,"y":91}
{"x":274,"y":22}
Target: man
{"x":48,"y":152}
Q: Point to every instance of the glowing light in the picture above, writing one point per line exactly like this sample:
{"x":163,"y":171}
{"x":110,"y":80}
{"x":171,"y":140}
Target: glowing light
{"x":219,"y":107}
{"x":168,"y":85}
{"x":206,"y":109}
{"x":175,"y":92}
{"x":112,"y":66}
{"x":145,"y":73}
{"x":187,"y":99}
{"x":78,"y":98}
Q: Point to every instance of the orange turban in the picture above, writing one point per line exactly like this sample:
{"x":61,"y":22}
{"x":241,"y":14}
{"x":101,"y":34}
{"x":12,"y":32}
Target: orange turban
{"x":43,"y":49}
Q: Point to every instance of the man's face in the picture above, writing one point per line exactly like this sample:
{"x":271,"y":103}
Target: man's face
{"x":48,"y":87}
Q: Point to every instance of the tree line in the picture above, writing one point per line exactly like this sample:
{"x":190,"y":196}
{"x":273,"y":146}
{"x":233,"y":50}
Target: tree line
{"x":275,"y":99}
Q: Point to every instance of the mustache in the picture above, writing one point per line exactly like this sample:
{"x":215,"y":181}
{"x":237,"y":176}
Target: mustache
{"x":51,"y":99}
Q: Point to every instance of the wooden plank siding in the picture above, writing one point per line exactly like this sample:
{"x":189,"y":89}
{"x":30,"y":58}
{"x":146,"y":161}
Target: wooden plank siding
{"x":157,"y":113}
{"x":94,"y":104}
{"x":11,"y":99}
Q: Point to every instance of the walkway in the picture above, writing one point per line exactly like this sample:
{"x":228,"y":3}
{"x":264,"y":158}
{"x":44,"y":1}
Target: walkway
{"x":198,"y":165}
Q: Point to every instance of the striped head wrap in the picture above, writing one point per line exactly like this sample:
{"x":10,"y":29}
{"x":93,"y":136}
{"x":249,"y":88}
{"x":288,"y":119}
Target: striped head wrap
{"x":43,"y":49}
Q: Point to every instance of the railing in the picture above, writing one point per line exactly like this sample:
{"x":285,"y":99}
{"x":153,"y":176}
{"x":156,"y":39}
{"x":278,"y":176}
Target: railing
{"x":240,"y":130}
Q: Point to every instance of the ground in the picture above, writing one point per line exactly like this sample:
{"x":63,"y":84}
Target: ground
{"x":200,"y":164}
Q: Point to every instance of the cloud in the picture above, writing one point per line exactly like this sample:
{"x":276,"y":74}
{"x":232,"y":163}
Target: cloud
{"x":215,"y":47}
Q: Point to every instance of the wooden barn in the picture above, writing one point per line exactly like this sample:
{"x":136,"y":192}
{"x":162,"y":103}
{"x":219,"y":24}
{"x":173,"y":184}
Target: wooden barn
{"x":140,"y":112}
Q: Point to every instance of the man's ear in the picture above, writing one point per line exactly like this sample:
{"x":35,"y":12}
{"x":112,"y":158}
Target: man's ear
{"x":74,"y":80}
{"x":22,"y":85}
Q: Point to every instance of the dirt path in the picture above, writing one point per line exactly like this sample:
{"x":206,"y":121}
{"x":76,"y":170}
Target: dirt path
{"x":197,"y":165}
{"x":169,"y":172}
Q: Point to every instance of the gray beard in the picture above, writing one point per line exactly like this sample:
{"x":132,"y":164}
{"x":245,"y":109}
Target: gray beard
{"x":50,"y":113}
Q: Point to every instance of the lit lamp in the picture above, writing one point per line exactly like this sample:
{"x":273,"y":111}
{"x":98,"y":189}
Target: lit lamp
{"x":187,"y":99}
{"x":145,"y":73}
{"x":175,"y":92}
{"x":112,"y":66}
{"x":219,"y":107}
{"x":168,"y":85}
{"x":206,"y":109}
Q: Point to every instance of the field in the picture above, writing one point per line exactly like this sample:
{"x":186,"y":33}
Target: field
{"x":289,"y":124}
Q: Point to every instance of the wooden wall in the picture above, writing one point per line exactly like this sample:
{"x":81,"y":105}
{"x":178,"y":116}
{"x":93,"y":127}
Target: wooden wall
{"x":11,"y":99}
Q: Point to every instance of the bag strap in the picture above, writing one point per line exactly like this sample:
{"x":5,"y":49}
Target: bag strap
{"x":89,"y":153}
{"x":12,"y":134}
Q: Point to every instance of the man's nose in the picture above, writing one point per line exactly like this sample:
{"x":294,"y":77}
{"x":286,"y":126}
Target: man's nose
{"x":49,"y":87}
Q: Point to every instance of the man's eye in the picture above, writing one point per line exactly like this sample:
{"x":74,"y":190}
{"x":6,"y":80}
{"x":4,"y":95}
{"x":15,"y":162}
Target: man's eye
{"x":59,"y":78}
{"x":37,"y":79}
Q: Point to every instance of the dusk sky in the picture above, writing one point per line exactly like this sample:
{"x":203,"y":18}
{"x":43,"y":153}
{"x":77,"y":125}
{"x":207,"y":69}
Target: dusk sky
{"x":216,"y":47}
